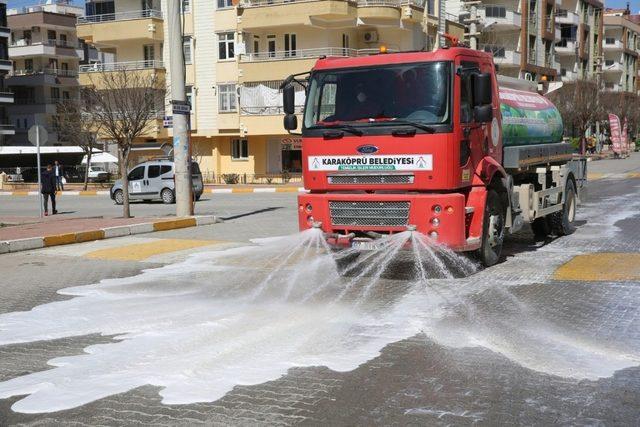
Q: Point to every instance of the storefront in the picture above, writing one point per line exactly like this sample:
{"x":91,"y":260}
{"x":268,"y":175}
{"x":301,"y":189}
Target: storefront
{"x":284,"y":153}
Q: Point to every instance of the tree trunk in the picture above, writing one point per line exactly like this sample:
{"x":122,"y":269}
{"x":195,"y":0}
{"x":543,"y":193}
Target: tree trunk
{"x":86,"y":172}
{"x":123,"y":155}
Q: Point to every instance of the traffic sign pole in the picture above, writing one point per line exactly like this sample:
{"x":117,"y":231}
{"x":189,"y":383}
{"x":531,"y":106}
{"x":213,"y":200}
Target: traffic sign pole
{"x":40,"y":201}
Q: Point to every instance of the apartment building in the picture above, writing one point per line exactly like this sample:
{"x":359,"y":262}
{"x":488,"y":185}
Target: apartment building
{"x":129,"y":35}
{"x":46,"y":54}
{"x":579,"y":50}
{"x":238,"y":54}
{"x":521,"y":34}
{"x":621,"y":47}
{"x":6,"y":97}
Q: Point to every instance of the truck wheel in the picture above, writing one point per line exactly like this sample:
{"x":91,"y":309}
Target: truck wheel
{"x":562,"y":221}
{"x":541,"y":227}
{"x":118,"y":197}
{"x":167,"y":196}
{"x":492,"y":230}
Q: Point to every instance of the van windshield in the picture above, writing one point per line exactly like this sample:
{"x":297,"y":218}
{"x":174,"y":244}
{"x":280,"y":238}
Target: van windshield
{"x":417,"y":92}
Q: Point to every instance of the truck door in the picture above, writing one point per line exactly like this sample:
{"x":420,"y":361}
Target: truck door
{"x":472,"y":134}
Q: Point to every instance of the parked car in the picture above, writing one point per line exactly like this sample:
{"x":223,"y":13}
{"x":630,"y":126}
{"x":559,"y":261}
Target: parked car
{"x":96,"y":173}
{"x":154,"y":180}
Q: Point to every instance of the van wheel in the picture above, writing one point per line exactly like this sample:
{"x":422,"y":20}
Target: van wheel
{"x":198,"y":197}
{"x":118,"y":197}
{"x":562,"y":221}
{"x":492,"y":230}
{"x":167,"y":196}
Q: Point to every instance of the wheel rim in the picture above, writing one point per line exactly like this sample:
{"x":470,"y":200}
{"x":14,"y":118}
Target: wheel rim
{"x":119,"y":197}
{"x":166,"y":196}
{"x":571,"y":214}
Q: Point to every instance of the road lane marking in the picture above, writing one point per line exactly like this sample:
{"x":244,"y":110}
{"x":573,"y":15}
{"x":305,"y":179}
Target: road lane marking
{"x":601,"y":267}
{"x":142,"y":251}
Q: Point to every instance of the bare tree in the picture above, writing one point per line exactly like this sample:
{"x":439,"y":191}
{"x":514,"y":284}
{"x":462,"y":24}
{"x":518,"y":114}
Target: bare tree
{"x":579,"y":105}
{"x":75,"y":123}
{"x":125,"y":103}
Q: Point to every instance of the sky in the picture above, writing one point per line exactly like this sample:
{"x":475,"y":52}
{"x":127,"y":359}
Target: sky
{"x":635,"y":4}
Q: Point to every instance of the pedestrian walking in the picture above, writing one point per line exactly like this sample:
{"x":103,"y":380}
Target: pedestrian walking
{"x":59,"y":173}
{"x":48,"y":189}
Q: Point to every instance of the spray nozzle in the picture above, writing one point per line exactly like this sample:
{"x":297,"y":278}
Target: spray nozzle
{"x":411,"y":228}
{"x":316,"y":224}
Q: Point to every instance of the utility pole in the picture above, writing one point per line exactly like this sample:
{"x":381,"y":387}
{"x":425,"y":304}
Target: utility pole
{"x":181,"y":113}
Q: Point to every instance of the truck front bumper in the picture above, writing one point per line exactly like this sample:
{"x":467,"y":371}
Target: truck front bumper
{"x":347,"y":216}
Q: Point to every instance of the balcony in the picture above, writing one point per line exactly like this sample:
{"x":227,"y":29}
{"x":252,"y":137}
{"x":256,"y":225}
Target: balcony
{"x":113,"y":28}
{"x":616,"y":67}
{"x":566,"y":47}
{"x":566,"y":17}
{"x":42,"y":77}
{"x":256,"y":14}
{"x":568,"y":75}
{"x":612,"y":45}
{"x":6,"y":65}
{"x":374,"y":12}
{"x":498,"y":17}
{"x":277,"y":65}
{"x":504,"y":57}
{"x":27,"y":48}
{"x":6,"y":98}
{"x":90,"y":74}
{"x":7,"y":129}
{"x":48,"y":71}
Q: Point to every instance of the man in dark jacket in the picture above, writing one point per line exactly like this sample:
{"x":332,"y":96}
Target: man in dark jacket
{"x":48,"y":189}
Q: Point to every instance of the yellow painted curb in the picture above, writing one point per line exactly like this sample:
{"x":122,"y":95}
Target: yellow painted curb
{"x":594,"y":176}
{"x":20,"y":193}
{"x":633,"y":175}
{"x":87,"y":236}
{"x":242,"y":190}
{"x":287,"y":190}
{"x":173,"y":224}
{"x":142,"y":251}
{"x":60,"y":239}
{"x":89,"y":193}
{"x":601,"y":267}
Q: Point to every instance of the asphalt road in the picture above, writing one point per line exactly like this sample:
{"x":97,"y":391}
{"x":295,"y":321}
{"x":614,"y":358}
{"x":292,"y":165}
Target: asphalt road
{"x":198,"y":328}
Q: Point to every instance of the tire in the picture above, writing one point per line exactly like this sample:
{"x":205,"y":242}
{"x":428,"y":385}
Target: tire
{"x":167,"y":196}
{"x":541,"y":227}
{"x":562,"y":221}
{"x":492,"y":230}
{"x":198,"y":197}
{"x":118,"y":197}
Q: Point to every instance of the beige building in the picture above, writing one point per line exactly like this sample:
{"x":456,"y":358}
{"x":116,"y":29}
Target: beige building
{"x":46,"y":54}
{"x":237,"y":56}
{"x":521,"y":34}
{"x":621,"y":47}
{"x":579,"y":50}
{"x":129,"y":35}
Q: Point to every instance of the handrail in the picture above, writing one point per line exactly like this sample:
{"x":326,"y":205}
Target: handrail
{"x":120,"y":16}
{"x":50,"y":42}
{"x":119,"y":66}
{"x":48,"y":71}
{"x":307,"y":53}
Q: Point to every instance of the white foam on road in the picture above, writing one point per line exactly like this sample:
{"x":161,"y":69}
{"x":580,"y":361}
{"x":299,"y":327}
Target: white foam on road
{"x":246,"y":315}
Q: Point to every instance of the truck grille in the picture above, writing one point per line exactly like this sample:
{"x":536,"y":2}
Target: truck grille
{"x":390,"y":214}
{"x":370,"y":179}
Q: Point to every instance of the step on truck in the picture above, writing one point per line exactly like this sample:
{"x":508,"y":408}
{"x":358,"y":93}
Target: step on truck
{"x":434,"y":142}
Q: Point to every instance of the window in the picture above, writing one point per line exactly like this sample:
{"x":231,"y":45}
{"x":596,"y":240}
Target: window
{"x":610,"y":40}
{"x":256,"y":44}
{"x":66,"y":95}
{"x":227,"y":98}
{"x":137,"y":173}
{"x":26,"y":34}
{"x":271,"y":46}
{"x":186,"y":6}
{"x":226,"y":46}
{"x":28,"y":64}
{"x":466,"y":102}
{"x":64,"y":66}
{"x":154,"y":171}
{"x":186,"y":48}
{"x":609,"y":62}
{"x":289,"y":45}
{"x":239,"y":149}
{"x":165,"y":169}
{"x":223,"y":4}
{"x":496,"y":11}
{"x":51,"y":35}
{"x":55,"y":93}
{"x":189,"y":92}
{"x":148,"y":51}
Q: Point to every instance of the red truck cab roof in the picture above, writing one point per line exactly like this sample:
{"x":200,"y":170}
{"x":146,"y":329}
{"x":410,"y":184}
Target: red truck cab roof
{"x":445,"y":54}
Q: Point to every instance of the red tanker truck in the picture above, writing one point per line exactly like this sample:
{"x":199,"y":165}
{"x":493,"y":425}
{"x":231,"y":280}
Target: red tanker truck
{"x":434,"y":142}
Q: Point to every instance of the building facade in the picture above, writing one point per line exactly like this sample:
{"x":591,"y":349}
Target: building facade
{"x":46,"y":55}
{"x":621,"y":47}
{"x":7,"y":130}
{"x":521,"y":34}
{"x":580,"y":48}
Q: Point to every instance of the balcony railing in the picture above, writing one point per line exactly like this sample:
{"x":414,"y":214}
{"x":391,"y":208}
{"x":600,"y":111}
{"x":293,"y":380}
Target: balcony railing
{"x":120,"y":16}
{"x":360,"y":3}
{"x":120,"y":66}
{"x":50,"y":42}
{"x":284,"y":55}
{"x":49,"y":71}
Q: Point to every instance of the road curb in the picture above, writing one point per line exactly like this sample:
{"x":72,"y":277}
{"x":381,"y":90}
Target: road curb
{"x":18,"y":245}
{"x":239,"y":190}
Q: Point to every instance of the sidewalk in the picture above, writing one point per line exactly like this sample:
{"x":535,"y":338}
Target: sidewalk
{"x":25,"y":233}
{"x":208,"y":189}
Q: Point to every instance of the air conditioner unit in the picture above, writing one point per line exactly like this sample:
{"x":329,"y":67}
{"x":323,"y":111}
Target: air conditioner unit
{"x":35,"y":29}
{"x":370,"y":37}
{"x":151,"y":28}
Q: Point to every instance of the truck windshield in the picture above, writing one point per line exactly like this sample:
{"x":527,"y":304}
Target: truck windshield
{"x":417,"y":92}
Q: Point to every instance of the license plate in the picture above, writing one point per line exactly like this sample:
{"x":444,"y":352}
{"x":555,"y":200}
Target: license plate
{"x":366,"y":245}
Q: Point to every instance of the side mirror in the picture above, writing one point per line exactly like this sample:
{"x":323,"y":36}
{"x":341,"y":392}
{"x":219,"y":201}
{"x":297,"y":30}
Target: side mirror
{"x":289,"y":99}
{"x":483,"y":113}
{"x":290,"y":122}
{"x":481,"y":88}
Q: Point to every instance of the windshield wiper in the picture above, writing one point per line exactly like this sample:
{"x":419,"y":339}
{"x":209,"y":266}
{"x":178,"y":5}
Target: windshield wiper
{"x":426,"y":128}
{"x":345,"y":127}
